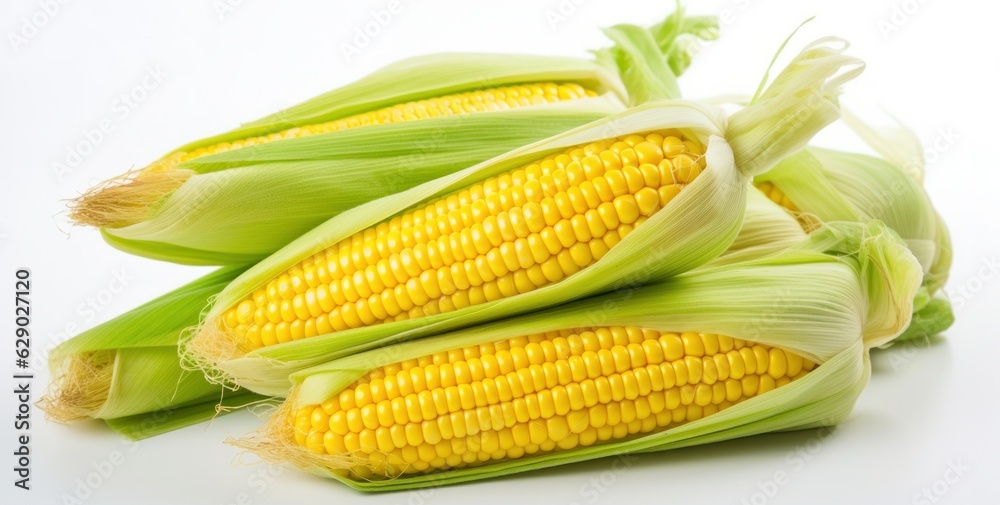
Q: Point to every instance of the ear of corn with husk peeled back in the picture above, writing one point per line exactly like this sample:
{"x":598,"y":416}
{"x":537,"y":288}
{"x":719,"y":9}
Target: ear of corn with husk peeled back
{"x":635,"y":197}
{"x":771,"y":344}
{"x":234,"y":198}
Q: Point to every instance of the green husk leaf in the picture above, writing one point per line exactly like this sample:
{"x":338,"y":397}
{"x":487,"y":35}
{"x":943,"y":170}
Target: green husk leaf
{"x":831,"y":185}
{"x":774,"y":59}
{"x":129,"y":365}
{"x":803,"y":96}
{"x":173,"y":253}
{"x":646,"y":75}
{"x":818,"y":299}
{"x":899,"y":145}
{"x":881,"y":191}
{"x":767,"y":229}
{"x":937,"y":277}
{"x":424,"y":77}
{"x":438,"y":74}
{"x":934,"y":317}
{"x":838,"y":186}
{"x":678,"y":39}
{"x":901,"y":148}
{"x":801,"y":177}
{"x":158,"y":422}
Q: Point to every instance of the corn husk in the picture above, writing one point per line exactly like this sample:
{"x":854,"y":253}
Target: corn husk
{"x":237,"y":207}
{"x":767,"y":229}
{"x":126,"y":370}
{"x":847,"y":288}
{"x":691,"y":230}
{"x":831,"y":185}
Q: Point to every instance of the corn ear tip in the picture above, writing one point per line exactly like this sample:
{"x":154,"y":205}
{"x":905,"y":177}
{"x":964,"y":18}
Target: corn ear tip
{"x":274,"y":442}
{"x":897,"y":273}
{"x":126,"y":199}
{"x":80,"y":386}
{"x":203,"y":347}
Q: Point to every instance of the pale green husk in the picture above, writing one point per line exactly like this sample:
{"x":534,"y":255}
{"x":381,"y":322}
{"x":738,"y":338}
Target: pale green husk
{"x":847,"y":288}
{"x":239,"y":206}
{"x":128,"y":366}
{"x":158,"y":422}
{"x":693,"y":229}
{"x":280,"y":190}
{"x":932,"y":318}
{"x":838,"y":186}
{"x":901,"y":147}
{"x":767,"y":229}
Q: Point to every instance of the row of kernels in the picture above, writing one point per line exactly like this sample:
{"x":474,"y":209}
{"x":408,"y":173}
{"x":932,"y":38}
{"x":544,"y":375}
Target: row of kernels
{"x":519,"y":255}
{"x":417,"y":396}
{"x":451,"y":444}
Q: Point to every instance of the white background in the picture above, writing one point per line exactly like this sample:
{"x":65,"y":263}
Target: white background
{"x":927,"y":406}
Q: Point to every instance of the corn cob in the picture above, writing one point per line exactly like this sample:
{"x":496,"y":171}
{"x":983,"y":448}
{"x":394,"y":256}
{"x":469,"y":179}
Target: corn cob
{"x":536,"y":394}
{"x":236,"y":197}
{"x":510,"y":234}
{"x":651,"y":373}
{"x":584,"y":213}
